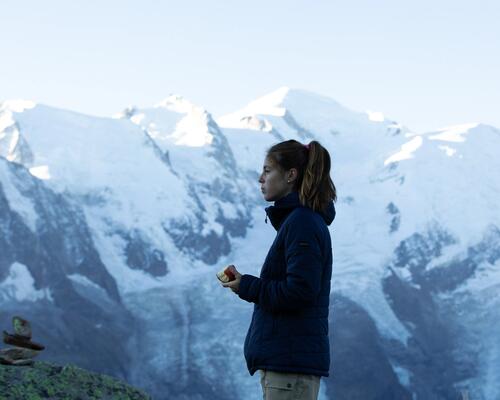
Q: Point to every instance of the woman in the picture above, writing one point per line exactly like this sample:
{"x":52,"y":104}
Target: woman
{"x":287,"y":340}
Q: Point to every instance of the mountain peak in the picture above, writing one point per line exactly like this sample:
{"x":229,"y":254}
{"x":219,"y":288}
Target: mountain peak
{"x":17,"y":105}
{"x":300,"y":114}
{"x":269,"y":104}
{"x":178,"y":103}
{"x":286,"y":98}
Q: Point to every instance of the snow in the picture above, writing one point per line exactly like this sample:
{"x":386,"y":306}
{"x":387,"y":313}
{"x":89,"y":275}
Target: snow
{"x":177,"y":103}
{"x":183,"y":134}
{"x":111,"y":248}
{"x":249,"y":253}
{"x":374,"y":165}
{"x":9,"y":134}
{"x":267,"y":105}
{"x":20,"y":286}
{"x":175,"y":121}
{"x":404,"y":376}
{"x":448,"y":150}
{"x":41,"y":172}
{"x":359,"y":233}
{"x":318,"y":112}
{"x":479,"y":303}
{"x":440,"y":178}
{"x":486,"y":279}
{"x":249,"y":147}
{"x":362,"y":251}
{"x":455,"y":133}
{"x":375,"y":116}
{"x":85,"y":154}
{"x":406,"y":151}
{"x":19,"y":203}
{"x":182,"y":130}
{"x":229,"y":210}
{"x":18,"y":105}
{"x":83,"y":280}
{"x":139,"y":118}
{"x":448,"y":253}
{"x":444,"y":179}
{"x":108,"y":158}
{"x":111,"y":168}
{"x":6,"y":121}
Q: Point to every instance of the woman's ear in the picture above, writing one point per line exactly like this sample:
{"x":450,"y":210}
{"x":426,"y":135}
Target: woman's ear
{"x":291,"y":175}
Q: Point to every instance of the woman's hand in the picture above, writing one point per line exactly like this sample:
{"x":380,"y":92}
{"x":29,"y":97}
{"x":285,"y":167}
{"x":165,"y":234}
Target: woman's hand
{"x":233,"y":285}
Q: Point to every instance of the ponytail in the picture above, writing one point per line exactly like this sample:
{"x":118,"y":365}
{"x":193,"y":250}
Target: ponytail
{"x":317,"y":188}
{"x":312,"y":161}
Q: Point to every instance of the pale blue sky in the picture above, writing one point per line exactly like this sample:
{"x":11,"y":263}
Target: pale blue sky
{"x":426,"y":63}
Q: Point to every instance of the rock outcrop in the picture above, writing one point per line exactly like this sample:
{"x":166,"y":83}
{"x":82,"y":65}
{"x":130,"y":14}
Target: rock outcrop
{"x":24,"y":349}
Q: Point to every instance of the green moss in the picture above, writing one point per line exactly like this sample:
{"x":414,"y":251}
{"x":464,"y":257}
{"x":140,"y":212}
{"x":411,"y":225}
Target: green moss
{"x":45,"y":380}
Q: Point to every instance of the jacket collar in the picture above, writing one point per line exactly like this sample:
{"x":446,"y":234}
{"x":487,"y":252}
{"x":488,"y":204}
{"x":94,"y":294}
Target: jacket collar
{"x":284,"y":206}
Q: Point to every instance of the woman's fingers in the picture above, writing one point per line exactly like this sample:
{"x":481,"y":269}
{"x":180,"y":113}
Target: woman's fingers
{"x":235,"y":283}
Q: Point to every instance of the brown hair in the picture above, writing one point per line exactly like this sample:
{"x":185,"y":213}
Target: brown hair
{"x":312,"y":161}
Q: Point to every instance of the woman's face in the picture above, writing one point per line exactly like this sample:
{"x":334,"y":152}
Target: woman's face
{"x":273,"y":181}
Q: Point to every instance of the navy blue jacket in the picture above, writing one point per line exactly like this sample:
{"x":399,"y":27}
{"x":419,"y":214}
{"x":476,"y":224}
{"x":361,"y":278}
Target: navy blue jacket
{"x":289,"y":328}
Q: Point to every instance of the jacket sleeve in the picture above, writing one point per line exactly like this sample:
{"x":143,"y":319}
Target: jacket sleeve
{"x":303,"y":273}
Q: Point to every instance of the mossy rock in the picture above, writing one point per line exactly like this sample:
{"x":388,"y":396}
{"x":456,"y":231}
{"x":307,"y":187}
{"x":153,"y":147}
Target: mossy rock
{"x":48,"y":381}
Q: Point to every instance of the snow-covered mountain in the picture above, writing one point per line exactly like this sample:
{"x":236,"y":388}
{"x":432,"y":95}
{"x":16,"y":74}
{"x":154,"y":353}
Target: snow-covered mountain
{"x":113,"y":229}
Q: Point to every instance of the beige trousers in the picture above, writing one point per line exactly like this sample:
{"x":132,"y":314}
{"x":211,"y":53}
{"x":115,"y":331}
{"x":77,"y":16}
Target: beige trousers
{"x":288,"y":386}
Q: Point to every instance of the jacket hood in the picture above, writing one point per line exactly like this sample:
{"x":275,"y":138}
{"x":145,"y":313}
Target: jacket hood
{"x":282,"y":207}
{"x":329,"y":214}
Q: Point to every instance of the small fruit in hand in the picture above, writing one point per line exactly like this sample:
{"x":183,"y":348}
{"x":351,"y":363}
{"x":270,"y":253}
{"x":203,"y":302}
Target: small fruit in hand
{"x":230,"y":274}
{"x":226,"y":275}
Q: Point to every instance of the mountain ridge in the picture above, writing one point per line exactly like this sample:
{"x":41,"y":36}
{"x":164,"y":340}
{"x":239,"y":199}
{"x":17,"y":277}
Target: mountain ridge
{"x":162,"y":213}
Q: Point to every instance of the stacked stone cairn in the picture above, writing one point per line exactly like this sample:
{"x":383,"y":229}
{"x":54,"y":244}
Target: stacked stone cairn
{"x":23,"y":350}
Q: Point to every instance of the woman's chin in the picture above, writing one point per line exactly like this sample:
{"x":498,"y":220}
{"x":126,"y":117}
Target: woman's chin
{"x":267,"y":197}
